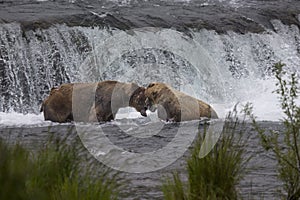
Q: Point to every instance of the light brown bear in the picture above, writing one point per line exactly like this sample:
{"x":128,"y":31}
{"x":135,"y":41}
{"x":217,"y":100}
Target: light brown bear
{"x":57,"y":107}
{"x":91,"y":102}
{"x":173,"y":105}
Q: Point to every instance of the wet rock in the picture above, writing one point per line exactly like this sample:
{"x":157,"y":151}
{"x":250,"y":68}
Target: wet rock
{"x":249,"y":16}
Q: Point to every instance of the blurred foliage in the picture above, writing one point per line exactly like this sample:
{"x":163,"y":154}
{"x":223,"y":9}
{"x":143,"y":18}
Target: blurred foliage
{"x":57,"y":171}
{"x":216,"y":175}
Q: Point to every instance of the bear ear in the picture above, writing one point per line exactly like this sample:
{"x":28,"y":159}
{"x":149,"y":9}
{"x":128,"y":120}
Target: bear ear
{"x":151,"y":85}
{"x":53,"y":88}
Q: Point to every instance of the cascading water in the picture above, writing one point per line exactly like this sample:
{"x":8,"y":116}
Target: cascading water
{"x":33,"y":62}
{"x":222,"y":69}
{"x":219,"y":51}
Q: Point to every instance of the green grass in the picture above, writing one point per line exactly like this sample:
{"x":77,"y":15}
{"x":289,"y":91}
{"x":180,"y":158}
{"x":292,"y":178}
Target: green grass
{"x":285,"y":145}
{"x":58,"y":171}
{"x":216,"y":175}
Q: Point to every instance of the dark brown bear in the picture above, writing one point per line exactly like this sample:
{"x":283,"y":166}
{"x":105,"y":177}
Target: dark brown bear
{"x":173,"y":105}
{"x":90,"y":102}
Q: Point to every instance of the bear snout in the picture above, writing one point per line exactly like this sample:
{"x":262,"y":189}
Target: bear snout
{"x":143,"y":112}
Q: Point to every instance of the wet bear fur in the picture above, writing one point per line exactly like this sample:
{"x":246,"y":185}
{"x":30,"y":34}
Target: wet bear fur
{"x":91,"y":102}
{"x":173,"y":105}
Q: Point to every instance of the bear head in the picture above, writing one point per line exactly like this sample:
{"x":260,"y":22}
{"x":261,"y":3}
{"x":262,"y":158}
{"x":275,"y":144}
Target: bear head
{"x":151,"y":93}
{"x":138,"y":99}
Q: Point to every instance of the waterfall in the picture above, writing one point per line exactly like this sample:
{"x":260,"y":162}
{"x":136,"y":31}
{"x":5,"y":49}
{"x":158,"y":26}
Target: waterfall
{"x":32,"y":62}
{"x":218,"y":68}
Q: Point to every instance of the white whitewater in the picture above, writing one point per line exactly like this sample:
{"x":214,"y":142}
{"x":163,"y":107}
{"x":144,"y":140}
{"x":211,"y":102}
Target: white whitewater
{"x":220,"y":69}
{"x":14,"y":119}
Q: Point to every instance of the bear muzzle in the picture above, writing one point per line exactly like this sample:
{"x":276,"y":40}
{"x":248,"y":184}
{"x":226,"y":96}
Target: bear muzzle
{"x":143,"y":112}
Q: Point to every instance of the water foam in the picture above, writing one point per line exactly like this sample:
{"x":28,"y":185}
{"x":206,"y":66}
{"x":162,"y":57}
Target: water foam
{"x":221,"y":69}
{"x":15,"y":119}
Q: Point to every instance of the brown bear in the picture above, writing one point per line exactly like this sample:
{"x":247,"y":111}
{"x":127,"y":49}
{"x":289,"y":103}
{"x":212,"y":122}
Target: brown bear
{"x":112,"y":95}
{"x":90,"y":102}
{"x":57,"y":107}
{"x":173,"y":105}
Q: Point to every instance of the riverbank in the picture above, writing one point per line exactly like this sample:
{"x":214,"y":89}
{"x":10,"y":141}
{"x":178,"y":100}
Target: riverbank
{"x":260,"y":181}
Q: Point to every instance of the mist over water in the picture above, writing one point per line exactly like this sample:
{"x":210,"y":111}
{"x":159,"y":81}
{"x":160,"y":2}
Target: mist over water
{"x":221,"y":69}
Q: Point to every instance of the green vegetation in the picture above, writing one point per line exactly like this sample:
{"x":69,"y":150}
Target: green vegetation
{"x":57,"y":171}
{"x":285,"y":146}
{"x":61,"y":171}
{"x":216,"y":175}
